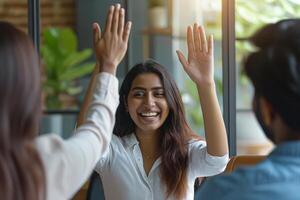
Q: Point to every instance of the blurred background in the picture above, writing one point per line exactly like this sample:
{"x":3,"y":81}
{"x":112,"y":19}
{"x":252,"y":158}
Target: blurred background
{"x":159,"y":29}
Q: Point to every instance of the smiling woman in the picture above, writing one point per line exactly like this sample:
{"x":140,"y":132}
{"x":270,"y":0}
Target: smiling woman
{"x":153,"y":153}
{"x":147,"y":104}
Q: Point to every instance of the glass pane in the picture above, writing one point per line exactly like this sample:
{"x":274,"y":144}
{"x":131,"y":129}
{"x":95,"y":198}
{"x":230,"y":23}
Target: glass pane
{"x":208,"y":14}
{"x":65,"y":66}
{"x":15,"y":12}
{"x":62,"y":124}
{"x":250,"y":16}
{"x":66,"y":50}
{"x":64,"y":63}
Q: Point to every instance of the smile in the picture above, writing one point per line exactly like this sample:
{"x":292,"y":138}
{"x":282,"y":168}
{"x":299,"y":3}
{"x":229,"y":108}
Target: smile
{"x":149,"y":114}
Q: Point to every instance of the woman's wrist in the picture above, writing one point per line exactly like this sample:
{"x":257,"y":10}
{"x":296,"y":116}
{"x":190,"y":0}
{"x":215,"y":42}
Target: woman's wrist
{"x":207,"y":84}
{"x":107,"y":67}
{"x":206,"y":88}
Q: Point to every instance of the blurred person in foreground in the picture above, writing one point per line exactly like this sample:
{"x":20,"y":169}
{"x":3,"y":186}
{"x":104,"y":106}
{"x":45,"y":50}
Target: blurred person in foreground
{"x":274,"y":69}
{"x":36,"y":167}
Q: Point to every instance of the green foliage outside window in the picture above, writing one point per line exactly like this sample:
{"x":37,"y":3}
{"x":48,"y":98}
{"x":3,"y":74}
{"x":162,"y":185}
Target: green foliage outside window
{"x":250,"y":15}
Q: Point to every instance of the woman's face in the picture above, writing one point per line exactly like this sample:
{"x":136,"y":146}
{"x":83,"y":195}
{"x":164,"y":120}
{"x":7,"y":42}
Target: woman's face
{"x":147,"y":104}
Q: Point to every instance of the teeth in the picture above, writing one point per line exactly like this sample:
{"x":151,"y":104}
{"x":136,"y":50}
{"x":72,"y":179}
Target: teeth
{"x":149,"y":114}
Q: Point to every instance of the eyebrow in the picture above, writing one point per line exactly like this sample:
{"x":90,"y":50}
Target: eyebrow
{"x":154,"y":88}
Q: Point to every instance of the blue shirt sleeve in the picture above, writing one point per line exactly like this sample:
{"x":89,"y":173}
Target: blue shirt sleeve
{"x":225,"y":187}
{"x":211,"y":189}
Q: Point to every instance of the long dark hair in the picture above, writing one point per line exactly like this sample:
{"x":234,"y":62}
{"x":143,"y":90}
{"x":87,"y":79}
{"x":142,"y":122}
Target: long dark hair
{"x":21,"y":171}
{"x":175,"y":131}
{"x":274,"y":68}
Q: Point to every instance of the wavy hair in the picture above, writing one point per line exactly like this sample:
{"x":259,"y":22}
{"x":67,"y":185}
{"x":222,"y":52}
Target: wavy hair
{"x":175,"y":132}
{"x":21,"y":170}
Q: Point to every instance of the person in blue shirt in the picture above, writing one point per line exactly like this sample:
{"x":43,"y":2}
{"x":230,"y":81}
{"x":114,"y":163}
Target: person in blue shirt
{"x":274,"y":70}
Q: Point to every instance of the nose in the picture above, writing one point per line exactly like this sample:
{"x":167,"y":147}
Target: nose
{"x":149,"y":100}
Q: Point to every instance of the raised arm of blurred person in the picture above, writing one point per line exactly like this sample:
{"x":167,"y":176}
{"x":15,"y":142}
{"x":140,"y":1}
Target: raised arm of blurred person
{"x":110,"y":48}
{"x":69,"y":163}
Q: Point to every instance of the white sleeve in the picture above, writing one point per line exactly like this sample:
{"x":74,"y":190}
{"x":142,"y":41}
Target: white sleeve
{"x":68,"y":163}
{"x":201,"y":163}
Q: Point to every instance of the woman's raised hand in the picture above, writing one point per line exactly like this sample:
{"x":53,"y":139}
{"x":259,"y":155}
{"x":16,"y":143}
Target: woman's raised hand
{"x":111,"y":46}
{"x":200,"y":64}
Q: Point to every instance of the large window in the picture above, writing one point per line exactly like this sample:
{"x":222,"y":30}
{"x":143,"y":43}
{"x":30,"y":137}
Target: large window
{"x":250,"y":16}
{"x":208,"y":14}
{"x":64,"y":65}
{"x":71,"y":20}
{"x":164,"y":37}
{"x":244,"y":132}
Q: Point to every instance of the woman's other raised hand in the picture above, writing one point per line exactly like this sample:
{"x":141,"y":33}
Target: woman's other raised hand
{"x":200,"y":64}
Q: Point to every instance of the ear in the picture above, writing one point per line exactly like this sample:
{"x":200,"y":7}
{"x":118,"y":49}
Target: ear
{"x":267,"y":111}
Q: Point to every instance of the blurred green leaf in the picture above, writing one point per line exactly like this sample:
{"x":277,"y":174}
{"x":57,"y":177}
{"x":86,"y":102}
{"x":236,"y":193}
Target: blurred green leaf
{"x":74,"y":90}
{"x":67,"y":41}
{"x":76,"y":58}
{"x":76,"y":72}
{"x":64,"y":64}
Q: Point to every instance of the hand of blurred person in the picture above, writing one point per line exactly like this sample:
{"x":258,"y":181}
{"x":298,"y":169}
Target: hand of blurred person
{"x":199,"y":65}
{"x":110,"y":47}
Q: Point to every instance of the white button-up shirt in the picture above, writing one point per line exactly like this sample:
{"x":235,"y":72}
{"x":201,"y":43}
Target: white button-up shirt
{"x":123,"y":175}
{"x":69,"y":163}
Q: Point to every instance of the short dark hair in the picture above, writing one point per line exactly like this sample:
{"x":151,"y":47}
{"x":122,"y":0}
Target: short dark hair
{"x":274,"y":68}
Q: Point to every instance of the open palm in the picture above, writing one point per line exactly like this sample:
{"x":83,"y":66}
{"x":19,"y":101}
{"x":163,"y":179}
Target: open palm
{"x":199,"y":65}
{"x":111,"y":46}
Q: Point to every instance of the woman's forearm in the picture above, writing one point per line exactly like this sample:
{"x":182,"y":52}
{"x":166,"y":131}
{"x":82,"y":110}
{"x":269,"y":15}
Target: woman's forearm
{"x":87,"y":98}
{"x":215,"y":131}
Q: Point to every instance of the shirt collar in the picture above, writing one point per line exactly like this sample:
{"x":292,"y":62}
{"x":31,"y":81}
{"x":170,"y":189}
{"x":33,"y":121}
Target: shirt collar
{"x":291,"y":148}
{"x":130,"y":140}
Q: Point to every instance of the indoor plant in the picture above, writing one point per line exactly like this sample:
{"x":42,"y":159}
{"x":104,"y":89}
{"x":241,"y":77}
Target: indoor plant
{"x":63,"y":66}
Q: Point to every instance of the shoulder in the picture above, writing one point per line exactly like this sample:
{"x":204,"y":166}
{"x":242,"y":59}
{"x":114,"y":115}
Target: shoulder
{"x":226,"y":186}
{"x":117,"y":141}
{"x":241,"y":177}
{"x":118,"y":145}
{"x":196,"y":143}
{"x":117,"y":151}
{"x":266,"y":180}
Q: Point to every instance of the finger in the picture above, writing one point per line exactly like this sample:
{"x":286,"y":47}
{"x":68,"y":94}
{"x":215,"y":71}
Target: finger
{"x":197,"y":40}
{"x":115,"y":21}
{"x":96,"y":33}
{"x":121,"y":21}
{"x":182,"y":59}
{"x":126,"y":33}
{"x":109,"y":19}
{"x":190,"y":43}
{"x":203,"y":39}
{"x":210,"y":44}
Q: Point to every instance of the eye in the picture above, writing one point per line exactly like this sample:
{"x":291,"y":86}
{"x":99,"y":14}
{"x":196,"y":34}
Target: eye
{"x":138,"y":94}
{"x":159,"y":94}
